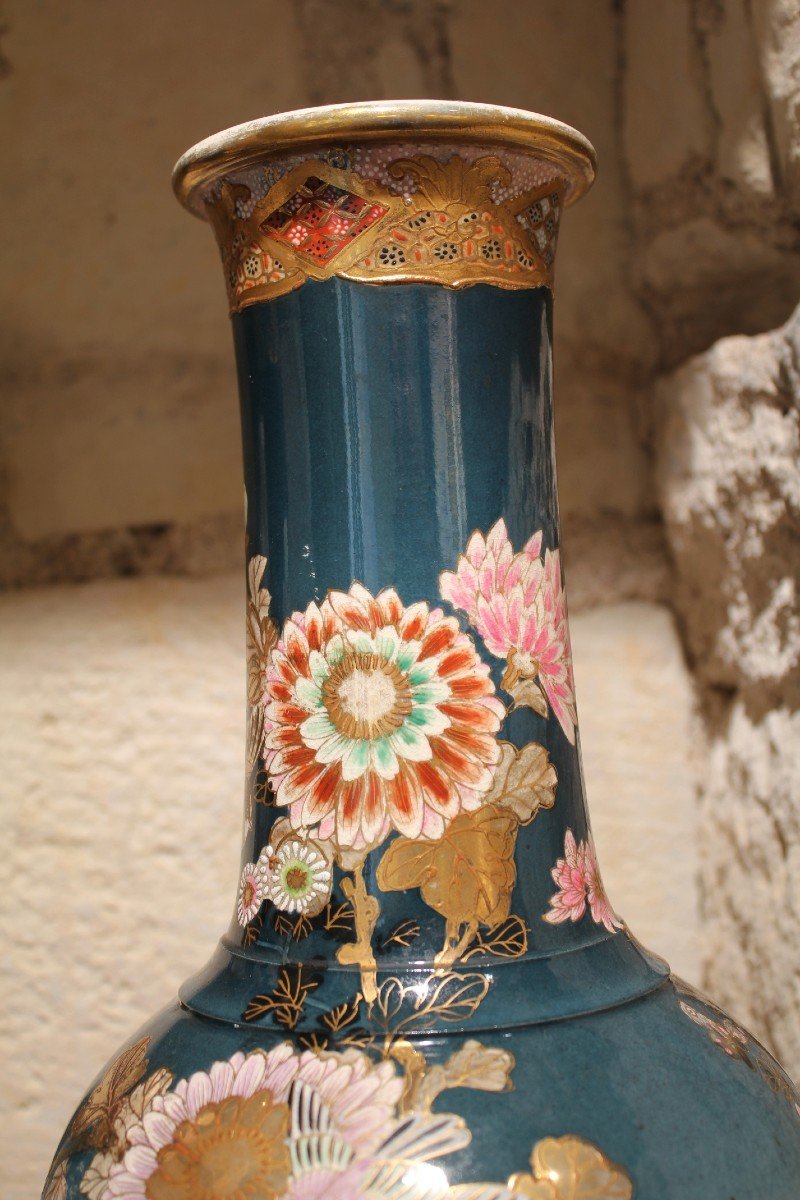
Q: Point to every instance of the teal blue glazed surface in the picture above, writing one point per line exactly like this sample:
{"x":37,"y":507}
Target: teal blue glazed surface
{"x":382,"y":425}
{"x":650,"y":1087}
{"x":418,"y":1035}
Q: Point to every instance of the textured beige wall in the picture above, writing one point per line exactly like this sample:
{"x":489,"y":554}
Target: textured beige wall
{"x":122,"y":716}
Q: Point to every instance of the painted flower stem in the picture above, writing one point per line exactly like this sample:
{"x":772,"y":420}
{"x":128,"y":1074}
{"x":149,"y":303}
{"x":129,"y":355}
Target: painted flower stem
{"x":457,"y":941}
{"x":359,"y":953}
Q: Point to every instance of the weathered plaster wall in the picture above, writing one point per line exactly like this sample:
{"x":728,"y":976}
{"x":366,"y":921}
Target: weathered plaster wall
{"x":119,"y":458}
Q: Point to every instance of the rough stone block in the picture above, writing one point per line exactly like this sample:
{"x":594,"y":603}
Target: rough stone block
{"x":728,"y":475}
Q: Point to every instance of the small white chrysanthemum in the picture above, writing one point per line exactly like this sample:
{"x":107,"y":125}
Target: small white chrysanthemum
{"x":251,"y":894}
{"x":296,"y":876}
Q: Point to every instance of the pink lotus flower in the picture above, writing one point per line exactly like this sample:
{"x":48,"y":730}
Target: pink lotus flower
{"x":517,"y":604}
{"x":577,"y":877}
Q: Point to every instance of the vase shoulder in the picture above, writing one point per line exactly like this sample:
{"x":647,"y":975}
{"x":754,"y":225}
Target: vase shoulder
{"x":639,"y":1099}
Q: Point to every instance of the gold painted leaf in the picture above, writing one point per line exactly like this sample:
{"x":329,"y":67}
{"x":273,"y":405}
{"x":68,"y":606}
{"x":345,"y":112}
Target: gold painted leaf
{"x":287,"y":999}
{"x":94,"y":1121}
{"x":473,"y":1066}
{"x":415,"y":1068}
{"x":454,"y":997}
{"x":509,"y":939}
{"x":338,"y":1018}
{"x":55,"y":1187}
{"x":524,"y":782}
{"x":569,"y":1168}
{"x":403,"y":934}
{"x":454,"y":184}
{"x":262,"y":633}
{"x":451,"y":996}
{"x":467,"y":875}
{"x":526,"y":693}
{"x":390,"y":999}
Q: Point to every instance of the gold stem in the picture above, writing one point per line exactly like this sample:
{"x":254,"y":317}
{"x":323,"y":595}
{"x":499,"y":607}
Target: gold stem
{"x":359,"y":953}
{"x":454,"y":946}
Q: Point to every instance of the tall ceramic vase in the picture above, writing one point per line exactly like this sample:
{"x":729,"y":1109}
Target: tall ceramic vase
{"x":424,"y":992}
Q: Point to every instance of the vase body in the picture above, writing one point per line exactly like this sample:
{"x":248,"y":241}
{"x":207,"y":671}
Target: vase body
{"x":424,"y":992}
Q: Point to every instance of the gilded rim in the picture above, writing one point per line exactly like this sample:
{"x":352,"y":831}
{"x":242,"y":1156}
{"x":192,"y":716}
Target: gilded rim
{"x":385,"y":121}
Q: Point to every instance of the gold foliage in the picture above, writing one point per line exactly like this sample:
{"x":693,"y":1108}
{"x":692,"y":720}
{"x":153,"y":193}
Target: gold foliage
{"x":55,"y":1187}
{"x":404,"y":934}
{"x":455,"y":184}
{"x":569,"y":1168}
{"x":93,"y":1124}
{"x":469,"y":873}
{"x":339,"y":916}
{"x":509,"y":939}
{"x":252,"y":930}
{"x":466,"y":875}
{"x":366,"y":910}
{"x":451,"y":996}
{"x":473,"y":1066}
{"x":262,"y":633}
{"x":526,"y":693}
{"x":296,"y":929}
{"x":288,"y":998}
{"x":524,"y":781}
{"x":342,"y":1015}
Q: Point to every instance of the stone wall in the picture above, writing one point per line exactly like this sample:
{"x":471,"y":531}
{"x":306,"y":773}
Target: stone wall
{"x":120,"y":496}
{"x":728,"y":478}
{"x":710,"y":142}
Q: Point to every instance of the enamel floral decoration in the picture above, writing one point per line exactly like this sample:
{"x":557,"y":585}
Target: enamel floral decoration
{"x":517,"y":604}
{"x":379,"y":717}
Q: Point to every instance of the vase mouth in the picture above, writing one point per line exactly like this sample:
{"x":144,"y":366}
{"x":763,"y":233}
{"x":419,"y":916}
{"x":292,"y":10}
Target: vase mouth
{"x":385,"y":122}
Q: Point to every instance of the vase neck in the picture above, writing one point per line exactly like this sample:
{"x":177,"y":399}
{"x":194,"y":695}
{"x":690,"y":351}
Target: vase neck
{"x":413,"y":723}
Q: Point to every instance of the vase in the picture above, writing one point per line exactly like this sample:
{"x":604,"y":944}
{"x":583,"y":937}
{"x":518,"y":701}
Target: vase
{"x":425,"y":992}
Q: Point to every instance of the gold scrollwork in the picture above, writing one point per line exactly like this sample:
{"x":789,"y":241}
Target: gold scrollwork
{"x":446,"y":227}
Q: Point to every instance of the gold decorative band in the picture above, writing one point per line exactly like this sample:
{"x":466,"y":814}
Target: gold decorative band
{"x":424,"y":191}
{"x":445,"y":220}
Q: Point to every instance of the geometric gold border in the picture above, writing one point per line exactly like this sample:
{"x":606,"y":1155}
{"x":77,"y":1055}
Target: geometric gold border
{"x":446,"y":229}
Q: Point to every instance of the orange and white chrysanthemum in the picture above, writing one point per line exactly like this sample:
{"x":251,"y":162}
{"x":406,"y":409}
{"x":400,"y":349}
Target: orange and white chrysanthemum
{"x":378,"y":717}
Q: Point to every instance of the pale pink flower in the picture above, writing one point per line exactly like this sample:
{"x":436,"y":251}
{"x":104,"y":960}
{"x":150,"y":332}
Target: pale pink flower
{"x":569,"y":874}
{"x":359,"y":1095}
{"x":196,"y":1103}
{"x":599,"y":903}
{"x":488,"y":567}
{"x":326,"y":1122}
{"x":517,"y":604}
{"x":346,"y":1131}
{"x":577,"y":877}
{"x":250,"y":896}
